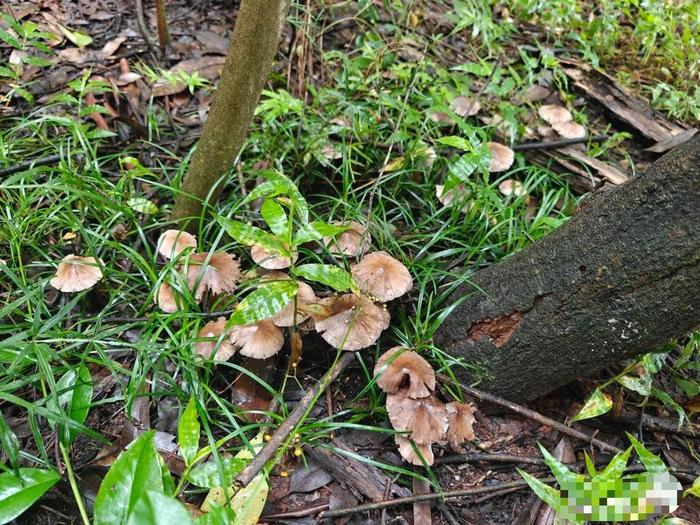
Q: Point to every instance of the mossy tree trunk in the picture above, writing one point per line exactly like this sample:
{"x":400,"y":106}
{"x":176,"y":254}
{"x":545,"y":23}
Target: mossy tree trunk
{"x":619,"y":279}
{"x":253,"y":47}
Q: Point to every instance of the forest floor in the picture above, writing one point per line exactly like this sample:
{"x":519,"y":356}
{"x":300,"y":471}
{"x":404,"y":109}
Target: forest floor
{"x":363,"y":110}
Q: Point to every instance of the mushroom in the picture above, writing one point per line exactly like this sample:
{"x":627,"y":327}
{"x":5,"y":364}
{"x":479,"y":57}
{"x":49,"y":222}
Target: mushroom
{"x":447,"y":198}
{"x":165,"y":298}
{"x":511,"y":187}
{"x":460,"y":422}
{"x":258,"y":340}
{"x":354,"y":322}
{"x":381,"y":276}
{"x":76,"y":273}
{"x":222,"y":348}
{"x":569,"y":130}
{"x":220,"y":274}
{"x":465,"y":107}
{"x":172,"y":242}
{"x":401,"y":368}
{"x":409,"y":453}
{"x":353,"y":242}
{"x":305,"y":295}
{"x":270,"y":260}
{"x":426,"y":418}
{"x":553,"y":114}
{"x":502,"y":157}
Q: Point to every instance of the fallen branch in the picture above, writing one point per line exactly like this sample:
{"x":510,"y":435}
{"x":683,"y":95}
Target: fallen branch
{"x":536,"y":416}
{"x":292,"y":422}
{"x":554,"y":144}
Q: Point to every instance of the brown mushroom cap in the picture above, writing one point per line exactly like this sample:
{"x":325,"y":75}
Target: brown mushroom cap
{"x":552,"y":114}
{"x":213,"y":331}
{"x":461,"y":421}
{"x":165,"y":298}
{"x":425,"y":419}
{"x":219,"y":276}
{"x":502,"y":157}
{"x":409,"y":454}
{"x":258,"y":340}
{"x":511,"y":187}
{"x":381,"y":276}
{"x":465,"y":107}
{"x":354,"y":322}
{"x":75,"y":273}
{"x":270,"y":260}
{"x":172,"y":242}
{"x":569,"y":130}
{"x":305,"y":295}
{"x":354,"y":242}
{"x":406,"y":370}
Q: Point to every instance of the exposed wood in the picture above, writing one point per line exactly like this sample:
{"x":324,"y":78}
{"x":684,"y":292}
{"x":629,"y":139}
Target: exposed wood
{"x":605,"y":170}
{"x":421,"y":509}
{"x":618,"y":280}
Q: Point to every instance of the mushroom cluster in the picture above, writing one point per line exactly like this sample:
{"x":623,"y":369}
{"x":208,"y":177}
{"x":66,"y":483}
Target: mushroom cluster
{"x":350,"y":321}
{"x":414,"y":409}
{"x":562,"y":121}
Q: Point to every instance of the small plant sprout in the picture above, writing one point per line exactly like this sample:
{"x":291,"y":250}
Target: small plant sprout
{"x":353,"y":242}
{"x":258,"y":340}
{"x":212,"y":344}
{"x":173,"y":242}
{"x":502,"y":157}
{"x":76,"y":273}
{"x":413,"y":407}
{"x":380,"y":275}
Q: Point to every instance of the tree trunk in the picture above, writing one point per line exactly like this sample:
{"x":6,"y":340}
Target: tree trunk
{"x":618,"y":280}
{"x":253,"y":47}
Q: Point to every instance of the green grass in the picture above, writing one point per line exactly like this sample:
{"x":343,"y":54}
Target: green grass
{"x":81,"y":203}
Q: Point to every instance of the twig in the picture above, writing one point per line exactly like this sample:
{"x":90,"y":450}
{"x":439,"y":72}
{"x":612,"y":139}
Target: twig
{"x":300,"y":513}
{"x":162,"y":21}
{"x":519,"y":409}
{"x":427,"y":497}
{"x":491,"y":458}
{"x":141,"y":22}
{"x":26,"y":164}
{"x":292,"y":421}
{"x":553,"y":144}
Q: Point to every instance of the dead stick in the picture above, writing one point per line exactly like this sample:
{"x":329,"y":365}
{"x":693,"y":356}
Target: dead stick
{"x":519,"y":409}
{"x":489,"y":458}
{"x":427,"y":497}
{"x":553,"y":144}
{"x":162,"y":21}
{"x":293,"y":420}
{"x":145,"y":33}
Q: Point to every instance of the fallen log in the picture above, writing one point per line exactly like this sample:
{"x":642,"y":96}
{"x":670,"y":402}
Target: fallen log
{"x":618,"y":280}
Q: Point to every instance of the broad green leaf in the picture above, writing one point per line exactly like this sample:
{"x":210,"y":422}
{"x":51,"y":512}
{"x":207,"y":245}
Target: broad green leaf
{"x":327,"y":274}
{"x":78,"y":38}
{"x":9,"y":443}
{"x":640,"y":384}
{"x":465,"y":166}
{"x":695,"y":489}
{"x":142,"y":205}
{"x":590,"y":466}
{"x":207,"y":475}
{"x":546,"y":493}
{"x":669,"y":401}
{"x":654,"y":362}
{"x":74,"y":396}
{"x":598,"y":403}
{"x":154,"y":508}
{"x":651,"y":462}
{"x":250,"y":235}
{"x":217,"y":497}
{"x":278,"y":184}
{"x":315,"y":231}
{"x":616,"y":467}
{"x":674,"y":521}
{"x":455,"y":142}
{"x":188,"y":432}
{"x":265,"y":301}
{"x":17,"y":494}
{"x":560,"y":471}
{"x":248,"y":502}
{"x":275,"y":217}
{"x":218,"y":515}
{"x":136,"y":470}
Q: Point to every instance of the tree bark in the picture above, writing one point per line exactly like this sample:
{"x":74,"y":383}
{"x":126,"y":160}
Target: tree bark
{"x":253,"y":47}
{"x":619,"y":279}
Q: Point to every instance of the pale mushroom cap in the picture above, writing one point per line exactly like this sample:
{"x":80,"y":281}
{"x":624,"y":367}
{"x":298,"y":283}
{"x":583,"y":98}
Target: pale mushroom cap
{"x":426,"y":418}
{"x":569,"y":130}
{"x":553,"y":114}
{"x":355,"y":323}
{"x":75,"y":273}
{"x":461,"y":422}
{"x":465,"y":107}
{"x":511,"y":187}
{"x":447,"y":198}
{"x":270,"y":260}
{"x":305,"y":295}
{"x":409,"y":454}
{"x":407,"y":371}
{"x":213,"y":331}
{"x":502,"y":157}
{"x":219,"y":276}
{"x":381,"y":276}
{"x":259,"y":340}
{"x":354,"y":242}
{"x":172,"y":242}
{"x":165,"y":299}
